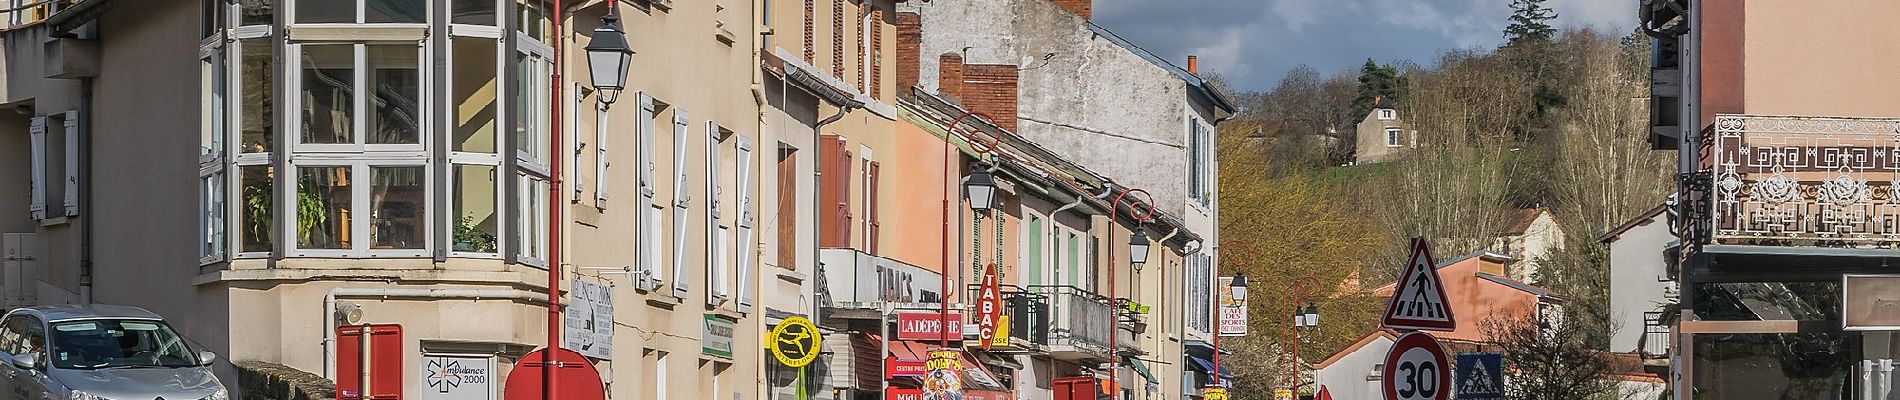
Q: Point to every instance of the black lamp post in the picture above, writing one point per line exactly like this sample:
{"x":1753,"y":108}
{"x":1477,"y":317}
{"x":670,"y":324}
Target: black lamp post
{"x":607,"y":58}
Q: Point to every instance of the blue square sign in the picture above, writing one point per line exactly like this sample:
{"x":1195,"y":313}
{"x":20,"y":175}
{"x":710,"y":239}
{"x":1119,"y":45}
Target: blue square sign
{"x":1479,"y":376}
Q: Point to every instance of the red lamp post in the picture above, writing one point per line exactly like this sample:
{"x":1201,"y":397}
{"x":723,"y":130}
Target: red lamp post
{"x":1239,"y":289}
{"x":1138,"y":254}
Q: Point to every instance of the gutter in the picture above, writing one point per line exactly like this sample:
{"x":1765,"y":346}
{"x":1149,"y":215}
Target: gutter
{"x":329,"y":307}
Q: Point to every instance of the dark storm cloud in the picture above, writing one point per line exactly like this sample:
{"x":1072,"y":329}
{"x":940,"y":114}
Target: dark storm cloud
{"x":1254,"y":42}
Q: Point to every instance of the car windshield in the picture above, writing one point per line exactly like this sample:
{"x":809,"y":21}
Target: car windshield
{"x":93,"y":344}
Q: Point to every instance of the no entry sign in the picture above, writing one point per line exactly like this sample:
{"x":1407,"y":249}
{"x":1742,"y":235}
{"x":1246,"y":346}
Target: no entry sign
{"x":1415,"y":369}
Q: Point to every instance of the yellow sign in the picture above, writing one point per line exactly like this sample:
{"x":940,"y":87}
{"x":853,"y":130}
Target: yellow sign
{"x":1002,"y":332}
{"x":944,"y":381}
{"x":794,"y":342}
{"x":1214,"y":393}
{"x":1283,"y":394}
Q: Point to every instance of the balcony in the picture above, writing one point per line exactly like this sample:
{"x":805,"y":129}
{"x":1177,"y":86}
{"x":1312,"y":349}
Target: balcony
{"x":1078,"y":322}
{"x":1030,"y":315}
{"x":1800,"y":181}
{"x":857,"y":285}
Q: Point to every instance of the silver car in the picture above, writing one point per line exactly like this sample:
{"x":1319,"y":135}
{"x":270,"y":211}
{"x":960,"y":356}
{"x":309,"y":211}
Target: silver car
{"x":99,"y":352}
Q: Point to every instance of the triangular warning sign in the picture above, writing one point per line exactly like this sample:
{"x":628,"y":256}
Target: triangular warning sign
{"x":1478,"y":381}
{"x":1418,"y":299}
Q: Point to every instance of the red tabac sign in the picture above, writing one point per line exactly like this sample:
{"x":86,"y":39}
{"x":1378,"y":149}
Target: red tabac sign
{"x":894,"y":367}
{"x":928,"y":325}
{"x":989,"y":306}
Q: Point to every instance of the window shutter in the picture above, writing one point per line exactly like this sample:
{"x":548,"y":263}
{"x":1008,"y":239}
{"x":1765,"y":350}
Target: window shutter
{"x":788,"y":210}
{"x":871,"y":207}
{"x":680,"y":201}
{"x":71,"y":202}
{"x":742,"y":181}
{"x":600,"y":156}
{"x":648,"y":235}
{"x":37,"y":131}
{"x":574,"y":145}
{"x":715,"y":229}
{"x":831,"y":188}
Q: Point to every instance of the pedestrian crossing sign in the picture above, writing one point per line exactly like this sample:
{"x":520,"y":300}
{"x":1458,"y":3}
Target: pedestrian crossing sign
{"x":1418,"y":298}
{"x":1480,"y":376}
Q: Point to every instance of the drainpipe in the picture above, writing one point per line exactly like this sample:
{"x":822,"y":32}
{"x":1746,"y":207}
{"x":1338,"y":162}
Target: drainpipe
{"x":85,"y":190}
{"x":817,"y":178}
{"x":549,"y":390}
{"x":329,"y":307}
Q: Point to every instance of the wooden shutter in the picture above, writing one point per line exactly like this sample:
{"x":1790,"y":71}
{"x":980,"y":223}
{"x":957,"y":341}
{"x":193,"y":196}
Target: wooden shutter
{"x":715,"y":226}
{"x":788,"y":210}
{"x":648,"y":268}
{"x":600,"y":156}
{"x":71,"y":193}
{"x":680,"y":202}
{"x":871,"y":207}
{"x":574,"y":146}
{"x":834,"y":188}
{"x":742,"y":181}
{"x":37,"y":132}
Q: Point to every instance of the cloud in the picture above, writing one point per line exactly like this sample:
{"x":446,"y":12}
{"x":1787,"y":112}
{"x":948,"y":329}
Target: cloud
{"x":1254,"y":42}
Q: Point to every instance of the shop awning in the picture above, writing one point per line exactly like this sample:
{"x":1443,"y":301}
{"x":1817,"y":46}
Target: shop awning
{"x":978,"y":377}
{"x":1202,"y":365}
{"x":1000,"y":360}
{"x":1142,"y":368}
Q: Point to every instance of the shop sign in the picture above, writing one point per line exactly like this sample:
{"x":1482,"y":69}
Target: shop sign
{"x":944,"y":382}
{"x":794,"y":342}
{"x":717,"y":340}
{"x":1214,"y":393}
{"x":895,"y":367}
{"x":989,"y":306}
{"x":903,"y":394}
{"x":1002,"y":333}
{"x":590,"y":319}
{"x":1233,"y":312}
{"x":1283,"y":394}
{"x":927,"y":325}
{"x":458,"y":378}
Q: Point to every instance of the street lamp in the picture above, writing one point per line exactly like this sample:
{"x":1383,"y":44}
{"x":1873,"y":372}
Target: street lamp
{"x":1312,"y":315}
{"x":1138,"y":247}
{"x":607,"y":58}
{"x":980,"y":189}
{"x":1238,"y":288}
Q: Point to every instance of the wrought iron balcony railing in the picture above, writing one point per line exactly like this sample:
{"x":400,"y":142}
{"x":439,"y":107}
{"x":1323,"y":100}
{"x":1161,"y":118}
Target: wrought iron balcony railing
{"x":1029,"y":313}
{"x":1080,"y":319}
{"x":1803,"y":181}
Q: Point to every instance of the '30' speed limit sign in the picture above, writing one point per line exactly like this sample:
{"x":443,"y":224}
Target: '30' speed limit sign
{"x":1415,"y":369}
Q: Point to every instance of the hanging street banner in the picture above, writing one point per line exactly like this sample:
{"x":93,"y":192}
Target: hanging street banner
{"x":794,"y":342}
{"x":945,"y":380}
{"x":1480,"y":376}
{"x":928,"y":325}
{"x":989,"y":307}
{"x":590,"y":319}
{"x":1233,"y":313}
{"x":1418,"y":298}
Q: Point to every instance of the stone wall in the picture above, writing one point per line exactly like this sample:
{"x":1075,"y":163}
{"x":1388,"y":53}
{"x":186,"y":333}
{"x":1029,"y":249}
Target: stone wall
{"x":266,"y":381}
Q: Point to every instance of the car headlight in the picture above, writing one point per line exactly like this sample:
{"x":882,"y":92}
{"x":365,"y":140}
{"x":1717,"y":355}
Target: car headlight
{"x":221,"y":394}
{"x":78,"y":395}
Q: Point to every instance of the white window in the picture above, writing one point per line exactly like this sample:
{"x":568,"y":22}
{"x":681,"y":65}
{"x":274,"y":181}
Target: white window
{"x":681,"y":200}
{"x":54,"y":142}
{"x":476,"y":180}
{"x":1200,"y":162}
{"x":361,"y":11}
{"x":532,"y":233}
{"x":361,"y":169}
{"x":211,"y":168}
{"x":1388,"y":114}
{"x":1394,"y":137}
{"x":530,"y":122}
{"x":1199,"y":289}
{"x":251,"y":113}
{"x":659,"y":375}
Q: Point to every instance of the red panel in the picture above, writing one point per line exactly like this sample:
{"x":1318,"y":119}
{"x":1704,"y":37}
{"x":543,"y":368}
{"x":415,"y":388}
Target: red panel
{"x":576,"y":377}
{"x":903,"y":394}
{"x":834,"y":193}
{"x":1082,"y":388}
{"x":385,"y":359}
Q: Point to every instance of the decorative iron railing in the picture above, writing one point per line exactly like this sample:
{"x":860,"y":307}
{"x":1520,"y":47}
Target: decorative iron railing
{"x":1804,"y":181}
{"x":1030,"y":314}
{"x":1080,"y":317}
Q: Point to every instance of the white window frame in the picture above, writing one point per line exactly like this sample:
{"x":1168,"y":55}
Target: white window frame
{"x":532,"y":194}
{"x":504,"y":91}
{"x":360,"y":121}
{"x":213,"y":178}
{"x":1394,"y":137}
{"x":532,"y":164}
{"x":234,"y":115}
{"x":289,"y":11}
{"x":717,"y":263}
{"x":1387,"y":114}
{"x":681,"y":202}
{"x":361,"y":183}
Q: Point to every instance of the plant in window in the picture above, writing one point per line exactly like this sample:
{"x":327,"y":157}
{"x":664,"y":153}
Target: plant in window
{"x":309,"y":211}
{"x":469,"y":237}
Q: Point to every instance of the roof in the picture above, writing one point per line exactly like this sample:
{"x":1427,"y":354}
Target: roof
{"x":1388,"y":334}
{"x":1516,"y":284}
{"x":1485,"y":254}
{"x":1195,"y":83}
{"x":1521,"y":221}
{"x":1639,"y":220}
{"x":1381,"y":102}
{"x":66,"y":312}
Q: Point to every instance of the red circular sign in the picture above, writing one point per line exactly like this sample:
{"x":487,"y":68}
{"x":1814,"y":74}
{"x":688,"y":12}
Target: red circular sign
{"x":1415,"y":369}
{"x":577,"y":379}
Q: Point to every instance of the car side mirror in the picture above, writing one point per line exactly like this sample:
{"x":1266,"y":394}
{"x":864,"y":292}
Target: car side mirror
{"x":206,"y":357}
{"x":28,"y":360}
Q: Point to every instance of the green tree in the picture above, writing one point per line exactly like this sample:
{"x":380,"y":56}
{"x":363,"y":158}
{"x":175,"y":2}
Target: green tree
{"x":1376,"y":81}
{"x":1528,"y":44}
{"x":1530,"y":24}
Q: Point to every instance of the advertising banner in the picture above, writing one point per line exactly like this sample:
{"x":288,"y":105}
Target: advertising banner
{"x":1233,"y":313}
{"x":927,"y":325}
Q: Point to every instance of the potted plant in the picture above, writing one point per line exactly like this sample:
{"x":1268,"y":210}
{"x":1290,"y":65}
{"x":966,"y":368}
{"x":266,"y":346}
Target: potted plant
{"x":470,"y":238}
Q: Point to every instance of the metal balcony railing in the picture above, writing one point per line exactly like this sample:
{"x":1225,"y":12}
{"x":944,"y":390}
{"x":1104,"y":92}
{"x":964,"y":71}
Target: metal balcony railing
{"x":1080,"y":318}
{"x":1029,"y":313}
{"x":20,"y":13}
{"x":1801,"y":181}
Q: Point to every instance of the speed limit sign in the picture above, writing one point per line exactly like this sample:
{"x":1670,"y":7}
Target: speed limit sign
{"x":1416,"y":369}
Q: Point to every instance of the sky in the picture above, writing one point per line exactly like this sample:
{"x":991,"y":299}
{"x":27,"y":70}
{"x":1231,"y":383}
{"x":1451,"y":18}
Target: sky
{"x":1255,"y":42}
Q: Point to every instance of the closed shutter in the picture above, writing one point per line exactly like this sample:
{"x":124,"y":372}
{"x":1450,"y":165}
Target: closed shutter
{"x":648,"y":279}
{"x":680,"y":201}
{"x":742,"y":181}
{"x":72,"y":164}
{"x":37,"y":131}
{"x":600,"y":156}
{"x":573,"y":127}
{"x":788,"y":210}
{"x":834,"y":225}
{"x":871,"y":206}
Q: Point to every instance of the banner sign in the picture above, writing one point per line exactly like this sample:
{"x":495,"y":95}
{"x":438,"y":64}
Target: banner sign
{"x":927,"y":325}
{"x":589,"y":328}
{"x":895,"y":367}
{"x":945,"y":381}
{"x":1233,"y":312}
{"x":718,"y":338}
{"x":989,"y":307}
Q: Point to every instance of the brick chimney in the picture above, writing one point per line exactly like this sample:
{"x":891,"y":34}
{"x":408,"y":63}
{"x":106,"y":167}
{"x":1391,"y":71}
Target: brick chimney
{"x":1084,"y":8}
{"x":991,"y":89}
{"x":910,"y":36}
{"x":950,"y":75}
{"x":1194,"y":64}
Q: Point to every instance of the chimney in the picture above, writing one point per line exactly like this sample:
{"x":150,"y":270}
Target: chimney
{"x":1194,"y":64}
{"x":950,"y":75}
{"x":1084,"y":8}
{"x":991,"y":89}
{"x":910,"y":37}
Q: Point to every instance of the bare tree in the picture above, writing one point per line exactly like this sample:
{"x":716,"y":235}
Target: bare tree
{"x":1548,"y":359}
